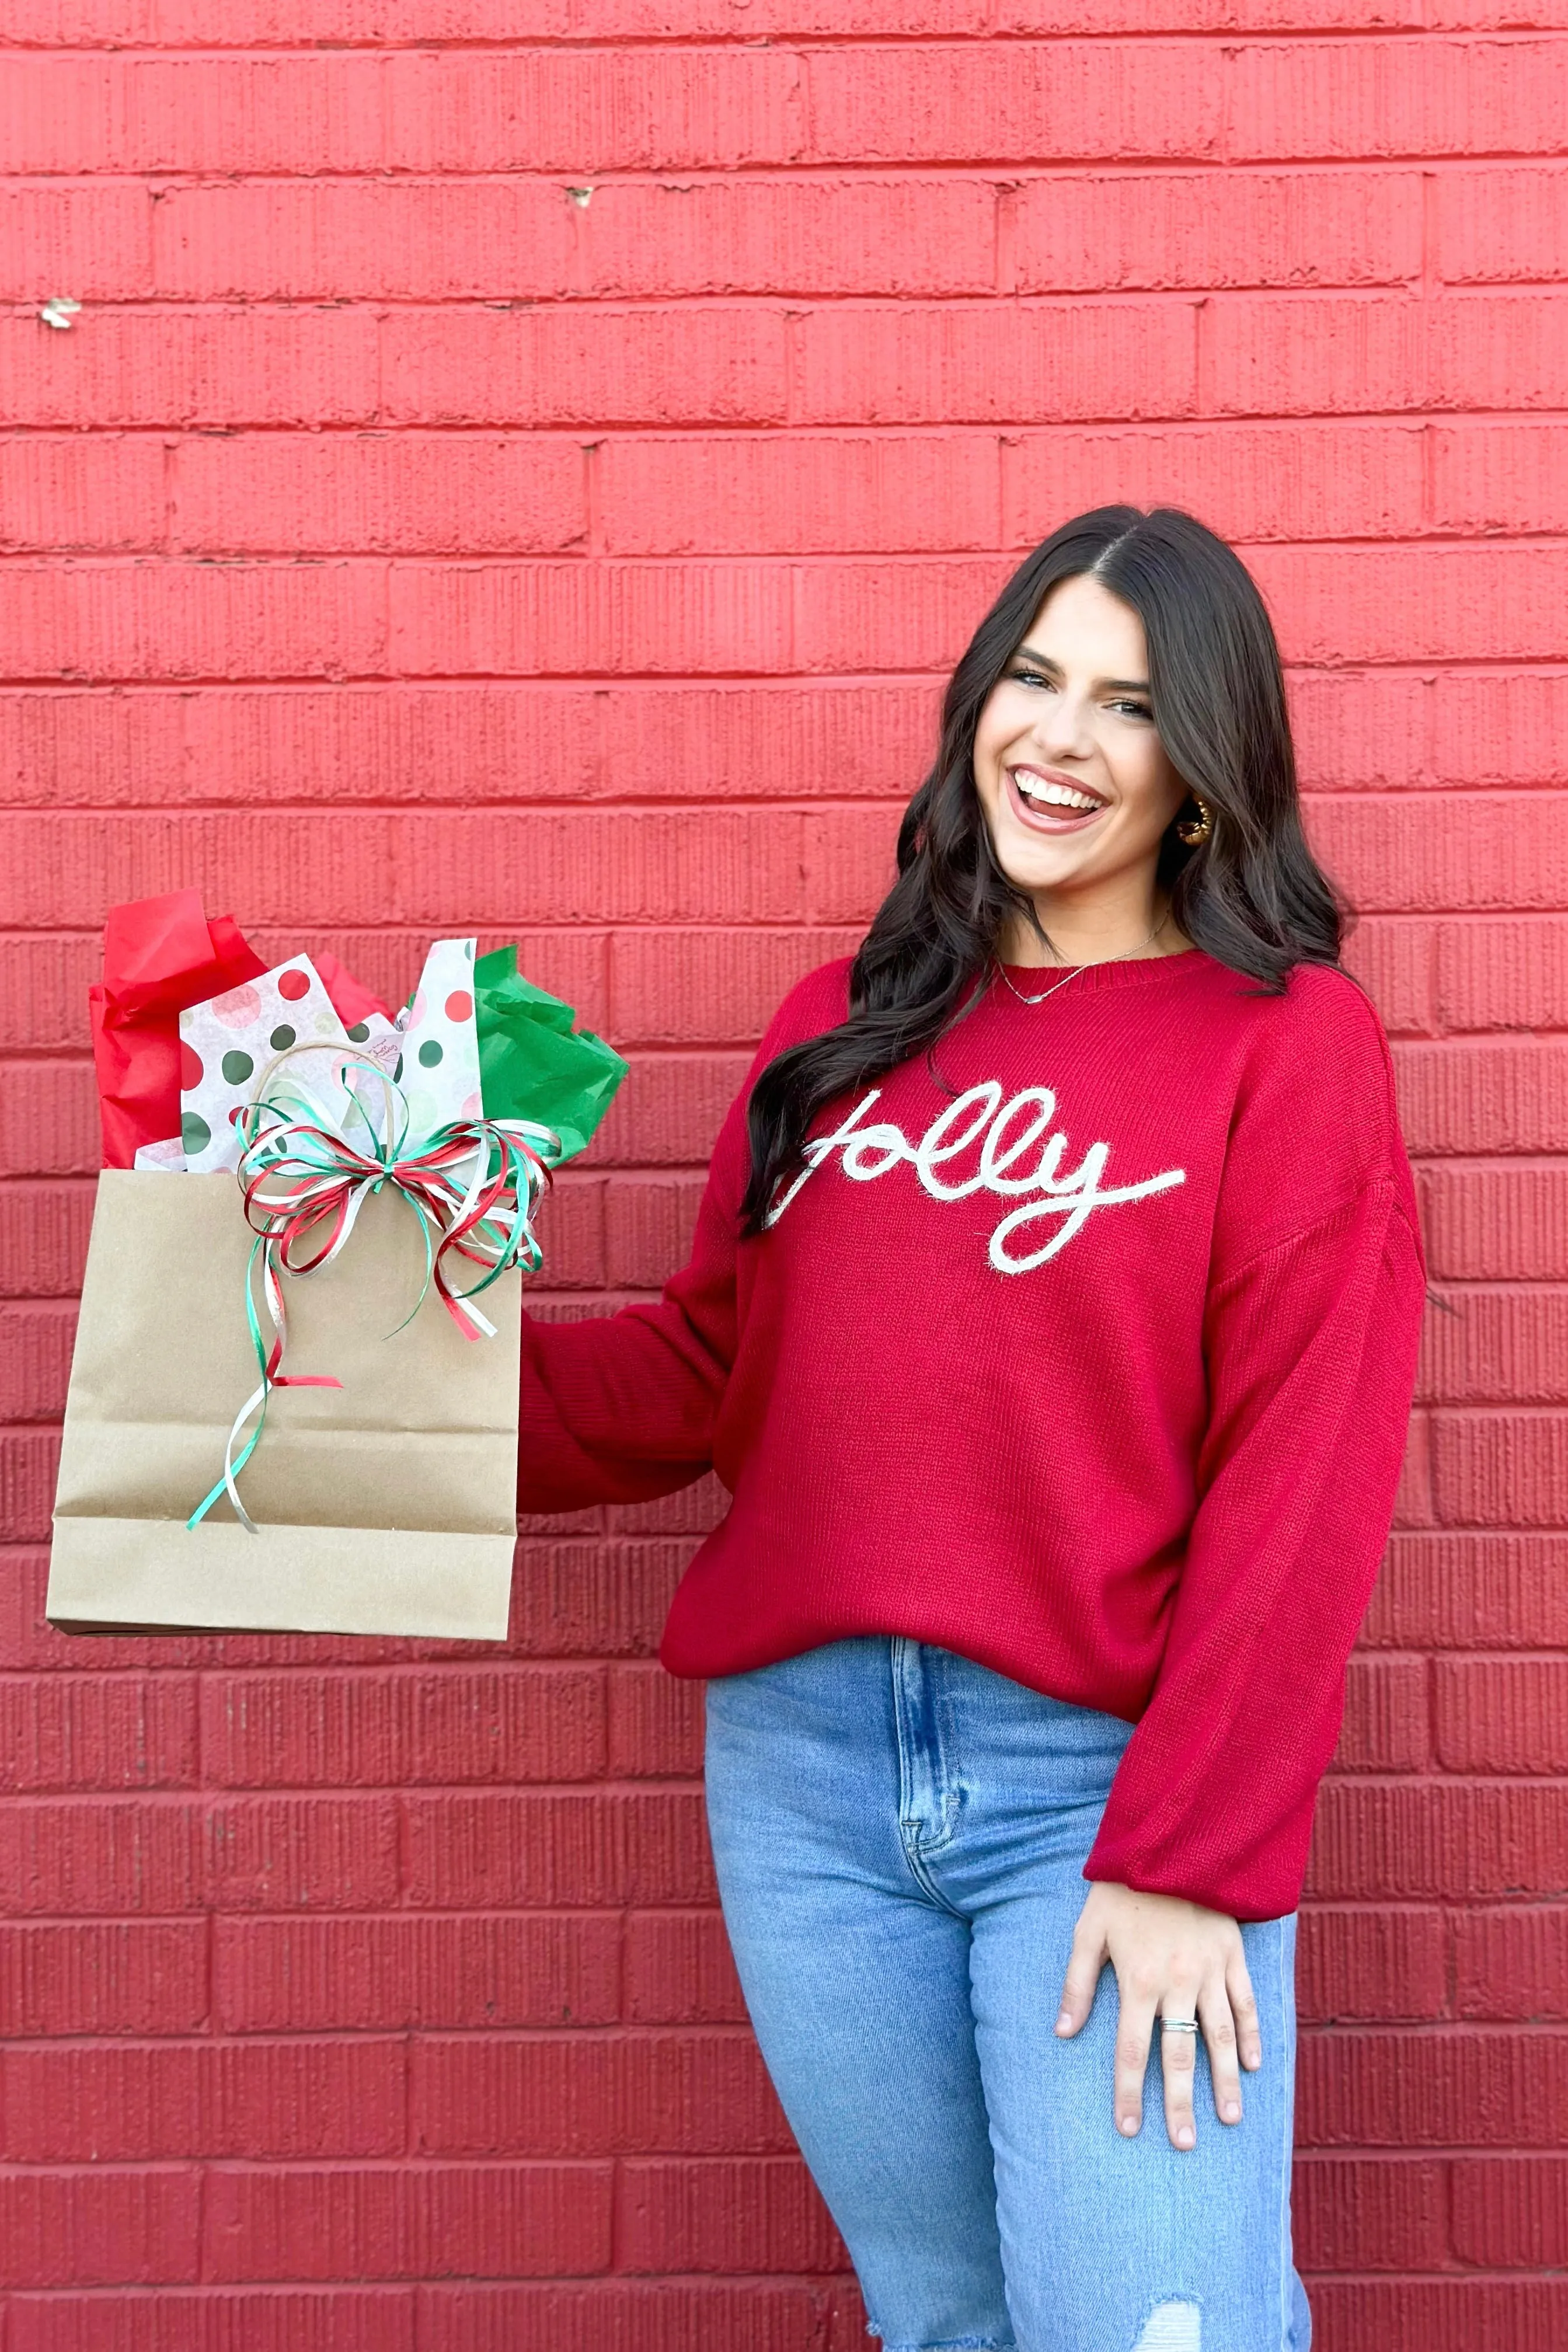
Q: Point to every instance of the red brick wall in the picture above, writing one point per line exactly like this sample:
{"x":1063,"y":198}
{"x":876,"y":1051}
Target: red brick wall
{"x":536,"y":482}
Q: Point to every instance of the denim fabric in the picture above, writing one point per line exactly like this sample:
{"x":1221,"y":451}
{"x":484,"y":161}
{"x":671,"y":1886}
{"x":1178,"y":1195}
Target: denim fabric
{"x":899,"y":1835}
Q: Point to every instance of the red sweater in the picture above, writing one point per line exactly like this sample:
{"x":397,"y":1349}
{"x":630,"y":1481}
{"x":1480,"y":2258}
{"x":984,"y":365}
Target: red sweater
{"x":1087,"y":1352}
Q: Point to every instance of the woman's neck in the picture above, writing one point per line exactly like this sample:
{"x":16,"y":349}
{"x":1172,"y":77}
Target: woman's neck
{"x":1085,"y":935}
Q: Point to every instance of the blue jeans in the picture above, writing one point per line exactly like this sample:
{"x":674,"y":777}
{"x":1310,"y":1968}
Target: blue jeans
{"x":899,"y":1835}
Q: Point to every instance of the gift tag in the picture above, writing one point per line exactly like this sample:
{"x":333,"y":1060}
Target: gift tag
{"x":380,"y":1038}
{"x":227,"y":1044}
{"x":381,"y":1042}
{"x":440,"y":1072}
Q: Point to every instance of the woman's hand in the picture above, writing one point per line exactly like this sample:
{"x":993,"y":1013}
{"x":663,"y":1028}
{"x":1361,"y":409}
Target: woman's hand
{"x":1173,"y":1959}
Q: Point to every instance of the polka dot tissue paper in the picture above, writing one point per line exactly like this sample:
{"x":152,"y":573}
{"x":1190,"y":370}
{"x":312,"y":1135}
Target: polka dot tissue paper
{"x":227,"y":1045}
{"x":277,"y":1418}
{"x":440,"y":1073}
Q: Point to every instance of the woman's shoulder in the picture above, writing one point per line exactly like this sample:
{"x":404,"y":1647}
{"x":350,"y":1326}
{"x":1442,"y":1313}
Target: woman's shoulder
{"x":1322,"y":1020}
{"x":1325,"y":1009}
{"x":1313,"y":1116}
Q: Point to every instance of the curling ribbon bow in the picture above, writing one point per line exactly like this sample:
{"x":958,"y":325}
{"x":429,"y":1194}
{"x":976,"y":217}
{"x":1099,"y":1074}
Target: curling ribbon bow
{"x":473,"y":1185}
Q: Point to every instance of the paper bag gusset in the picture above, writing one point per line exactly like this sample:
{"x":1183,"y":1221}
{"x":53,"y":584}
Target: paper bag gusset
{"x":333,"y":1319}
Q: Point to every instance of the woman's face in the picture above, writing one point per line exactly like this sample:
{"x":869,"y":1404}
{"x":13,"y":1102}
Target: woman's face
{"x":1072,"y":776}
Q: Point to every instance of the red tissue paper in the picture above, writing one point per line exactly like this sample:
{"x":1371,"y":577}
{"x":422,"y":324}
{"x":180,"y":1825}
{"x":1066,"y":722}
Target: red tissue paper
{"x":160,"y":956}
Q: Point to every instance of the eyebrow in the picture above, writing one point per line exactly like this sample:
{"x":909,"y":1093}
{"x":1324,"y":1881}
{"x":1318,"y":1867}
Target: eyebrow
{"x":1044,"y":661}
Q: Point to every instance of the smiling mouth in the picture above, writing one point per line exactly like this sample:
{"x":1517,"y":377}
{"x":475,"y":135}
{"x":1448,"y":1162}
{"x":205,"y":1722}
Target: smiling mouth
{"x":1049,"y":804}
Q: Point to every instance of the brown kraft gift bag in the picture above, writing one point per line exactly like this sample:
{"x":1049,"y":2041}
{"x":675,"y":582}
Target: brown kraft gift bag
{"x":386,"y":1505}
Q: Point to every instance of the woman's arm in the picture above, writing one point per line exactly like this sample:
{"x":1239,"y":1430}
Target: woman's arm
{"x":622,"y":1407}
{"x":1317,"y":1284}
{"x":1312,"y":1356}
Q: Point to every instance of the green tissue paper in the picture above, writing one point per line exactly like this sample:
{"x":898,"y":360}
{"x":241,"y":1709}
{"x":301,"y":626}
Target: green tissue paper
{"x":532,"y":1063}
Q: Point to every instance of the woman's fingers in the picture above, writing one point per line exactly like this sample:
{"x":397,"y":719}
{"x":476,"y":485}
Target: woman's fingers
{"x":1178,"y":2065}
{"x":1084,"y":1964}
{"x":1244,"y":2009}
{"x":1181,"y":1965}
{"x":1133,"y":2031}
{"x":1220,"y":2040}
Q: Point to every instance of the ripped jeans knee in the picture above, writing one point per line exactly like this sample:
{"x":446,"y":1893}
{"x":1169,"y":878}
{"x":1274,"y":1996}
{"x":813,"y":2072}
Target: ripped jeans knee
{"x":1172,"y":2327}
{"x":952,"y":2344}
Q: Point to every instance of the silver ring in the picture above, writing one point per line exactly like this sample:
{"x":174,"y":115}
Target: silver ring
{"x":1179,"y":2024}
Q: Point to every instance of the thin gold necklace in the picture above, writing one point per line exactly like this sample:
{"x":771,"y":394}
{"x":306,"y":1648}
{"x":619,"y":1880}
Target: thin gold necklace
{"x":1125,"y":957}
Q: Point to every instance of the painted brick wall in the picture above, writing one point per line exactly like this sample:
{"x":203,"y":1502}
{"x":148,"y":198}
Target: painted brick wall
{"x":535,"y":480}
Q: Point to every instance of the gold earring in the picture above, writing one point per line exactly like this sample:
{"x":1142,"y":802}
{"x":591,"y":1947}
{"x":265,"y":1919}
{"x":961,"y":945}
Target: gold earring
{"x":1197,"y":830}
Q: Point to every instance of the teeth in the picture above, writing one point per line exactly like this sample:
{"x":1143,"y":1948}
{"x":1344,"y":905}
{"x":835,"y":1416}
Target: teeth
{"x":1060,"y":795}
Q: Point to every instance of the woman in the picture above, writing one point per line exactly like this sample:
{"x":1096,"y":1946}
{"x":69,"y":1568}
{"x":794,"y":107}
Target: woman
{"x":1051,"y":1320}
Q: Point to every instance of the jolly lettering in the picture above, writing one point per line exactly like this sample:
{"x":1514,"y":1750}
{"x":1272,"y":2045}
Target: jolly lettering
{"x":985,"y":1143}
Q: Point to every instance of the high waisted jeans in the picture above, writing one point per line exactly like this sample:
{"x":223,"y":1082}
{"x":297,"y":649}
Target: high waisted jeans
{"x":899,"y":1836}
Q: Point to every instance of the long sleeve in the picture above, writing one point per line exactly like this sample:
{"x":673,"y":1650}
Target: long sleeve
{"x":1311,"y":1350}
{"x":622,"y":1407}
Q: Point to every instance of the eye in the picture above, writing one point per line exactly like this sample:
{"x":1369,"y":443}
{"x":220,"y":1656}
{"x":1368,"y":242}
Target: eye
{"x":1027,"y":676}
{"x":1132,"y":709}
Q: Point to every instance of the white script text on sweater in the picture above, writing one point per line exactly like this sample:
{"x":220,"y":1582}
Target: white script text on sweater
{"x":1006,"y":1131}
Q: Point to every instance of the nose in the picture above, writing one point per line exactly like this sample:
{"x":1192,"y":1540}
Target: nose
{"x":1060,"y":725}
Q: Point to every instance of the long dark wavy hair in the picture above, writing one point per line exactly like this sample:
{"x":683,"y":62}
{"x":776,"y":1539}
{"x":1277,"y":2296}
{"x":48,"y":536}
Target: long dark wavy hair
{"x":1252,"y":894}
